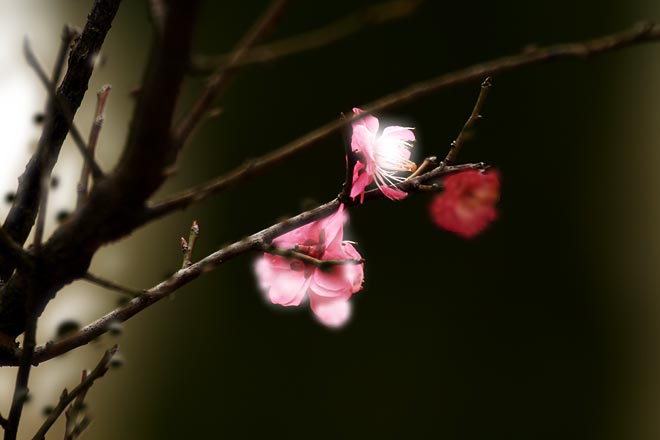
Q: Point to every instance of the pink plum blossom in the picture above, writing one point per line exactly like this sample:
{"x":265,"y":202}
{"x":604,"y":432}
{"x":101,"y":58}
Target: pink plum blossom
{"x":380,"y":156}
{"x":289,"y":281}
{"x":467,"y":206}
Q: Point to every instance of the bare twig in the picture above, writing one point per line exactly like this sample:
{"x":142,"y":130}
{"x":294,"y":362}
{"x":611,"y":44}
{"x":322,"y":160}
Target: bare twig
{"x":315,"y":39}
{"x":99,"y":116}
{"x":579,"y":50}
{"x":190,"y":244}
{"x":255,"y":242}
{"x":351,"y":161}
{"x":220,"y":78}
{"x":475,"y":116}
{"x":157,"y":11}
{"x":3,"y":422}
{"x":429,"y":162}
{"x":69,"y":33}
{"x":63,"y":107}
{"x":66,"y":398}
{"x":23,"y":375}
{"x":111,"y":285}
{"x":323,"y":264}
{"x":73,"y":427}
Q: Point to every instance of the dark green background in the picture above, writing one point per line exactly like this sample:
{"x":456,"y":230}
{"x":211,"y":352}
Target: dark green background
{"x":530,"y":331}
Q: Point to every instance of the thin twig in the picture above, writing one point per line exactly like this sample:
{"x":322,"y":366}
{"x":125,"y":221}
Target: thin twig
{"x":3,"y":422}
{"x":23,"y":375}
{"x":429,"y":162}
{"x":64,"y":108}
{"x":157,"y":11}
{"x":190,"y":244}
{"x":69,"y":33}
{"x":221,"y":76}
{"x":99,"y":117}
{"x":111,"y":285}
{"x":41,"y":216}
{"x":66,"y":398}
{"x":315,"y":39}
{"x":255,"y":242}
{"x":579,"y":50}
{"x":351,"y":161}
{"x":323,"y":264}
{"x":74,"y":411}
{"x":475,"y":116}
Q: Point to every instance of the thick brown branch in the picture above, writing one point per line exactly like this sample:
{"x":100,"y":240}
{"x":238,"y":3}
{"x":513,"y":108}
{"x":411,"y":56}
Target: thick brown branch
{"x":580,"y":50}
{"x":315,"y":39}
{"x":255,"y":242}
{"x":116,"y":201}
{"x":66,"y":398}
{"x":23,"y":212}
{"x":12,"y":250}
{"x":220,"y":78}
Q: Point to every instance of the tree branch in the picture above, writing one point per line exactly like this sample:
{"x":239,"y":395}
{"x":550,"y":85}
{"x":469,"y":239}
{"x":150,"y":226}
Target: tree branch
{"x":62,"y":107}
{"x":66,"y":398}
{"x":116,"y":200}
{"x":315,"y":39}
{"x":579,"y":50}
{"x":23,"y":212}
{"x":25,"y":365}
{"x":111,"y":285}
{"x":221,"y":76}
{"x":475,"y":116}
{"x":255,"y":242}
{"x":99,"y":116}
{"x":13,"y":251}
{"x":190,"y":244}
{"x":294,"y":254}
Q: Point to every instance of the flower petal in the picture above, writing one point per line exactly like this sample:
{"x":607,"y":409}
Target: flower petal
{"x":331,"y":283}
{"x":284,"y":286}
{"x":360,"y":181}
{"x":370,"y":122}
{"x":401,"y":133}
{"x":393,"y":193}
{"x":330,"y":311}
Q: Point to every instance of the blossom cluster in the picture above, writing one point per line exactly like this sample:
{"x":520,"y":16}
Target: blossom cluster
{"x":332,"y":269}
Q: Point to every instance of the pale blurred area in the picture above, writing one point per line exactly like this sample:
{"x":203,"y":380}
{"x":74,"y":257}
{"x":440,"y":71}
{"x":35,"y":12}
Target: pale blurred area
{"x":622,"y":192}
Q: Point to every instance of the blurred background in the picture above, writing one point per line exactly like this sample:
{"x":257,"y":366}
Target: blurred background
{"x":546,"y":326}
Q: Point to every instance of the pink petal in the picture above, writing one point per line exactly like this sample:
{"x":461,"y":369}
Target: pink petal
{"x":333,"y":226}
{"x":332,"y":283}
{"x":287,"y":287}
{"x":402,"y":133}
{"x":354,"y":272}
{"x":330,"y":312}
{"x":393,"y":193}
{"x":370,"y":122}
{"x":363,"y":140}
{"x":360,"y":181}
